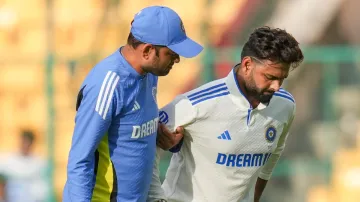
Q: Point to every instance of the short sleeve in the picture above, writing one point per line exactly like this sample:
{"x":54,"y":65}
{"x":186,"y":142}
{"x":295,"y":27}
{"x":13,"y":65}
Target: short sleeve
{"x":275,"y":156}
{"x":179,"y":112}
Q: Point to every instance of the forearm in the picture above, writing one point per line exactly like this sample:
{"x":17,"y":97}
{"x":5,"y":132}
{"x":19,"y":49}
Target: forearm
{"x":259,"y":189}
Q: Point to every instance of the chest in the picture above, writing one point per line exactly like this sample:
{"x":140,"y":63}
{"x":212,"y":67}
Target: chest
{"x":139,"y":117}
{"x":239,"y":132}
{"x":140,"y":101}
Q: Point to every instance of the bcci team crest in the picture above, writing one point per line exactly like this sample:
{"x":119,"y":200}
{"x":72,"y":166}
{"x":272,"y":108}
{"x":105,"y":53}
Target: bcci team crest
{"x":270,"y":134}
{"x":154,"y":92}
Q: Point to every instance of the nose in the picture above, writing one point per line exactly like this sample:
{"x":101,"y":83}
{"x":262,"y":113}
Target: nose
{"x":275,"y":85}
{"x":177,"y":59}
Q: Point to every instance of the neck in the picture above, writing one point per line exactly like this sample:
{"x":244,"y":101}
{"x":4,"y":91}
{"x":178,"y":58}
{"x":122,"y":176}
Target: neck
{"x":254,"y":102}
{"x":129,"y":54}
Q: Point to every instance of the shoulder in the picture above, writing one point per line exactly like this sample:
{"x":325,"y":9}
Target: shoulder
{"x":283,"y":102}
{"x":187,"y":104}
{"x":208,"y":91}
{"x":285,"y":95}
{"x":102,"y":84}
{"x":108,"y":74}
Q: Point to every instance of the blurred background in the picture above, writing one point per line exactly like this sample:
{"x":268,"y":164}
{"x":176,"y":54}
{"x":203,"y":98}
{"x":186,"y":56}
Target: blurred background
{"x":48,"y":46}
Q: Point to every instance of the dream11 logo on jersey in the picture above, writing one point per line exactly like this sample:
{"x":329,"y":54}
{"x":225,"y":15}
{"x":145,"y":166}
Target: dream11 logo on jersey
{"x":163,"y":117}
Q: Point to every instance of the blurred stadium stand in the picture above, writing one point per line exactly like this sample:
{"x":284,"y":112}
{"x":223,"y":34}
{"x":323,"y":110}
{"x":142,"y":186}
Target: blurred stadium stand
{"x":48,"y":46}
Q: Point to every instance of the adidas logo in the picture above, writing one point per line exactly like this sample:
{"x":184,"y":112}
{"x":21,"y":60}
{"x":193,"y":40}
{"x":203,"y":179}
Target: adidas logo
{"x":136,"y":106}
{"x":225,"y":136}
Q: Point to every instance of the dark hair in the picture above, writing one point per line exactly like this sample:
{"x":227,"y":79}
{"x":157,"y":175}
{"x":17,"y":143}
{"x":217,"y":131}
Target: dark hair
{"x":275,"y":45}
{"x":29,"y":135}
{"x":133,"y":42}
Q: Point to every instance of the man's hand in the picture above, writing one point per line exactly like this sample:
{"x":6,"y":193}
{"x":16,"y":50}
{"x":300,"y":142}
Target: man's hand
{"x":166,"y":139}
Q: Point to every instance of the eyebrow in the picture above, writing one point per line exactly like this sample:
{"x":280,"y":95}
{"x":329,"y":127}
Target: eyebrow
{"x":270,"y":75}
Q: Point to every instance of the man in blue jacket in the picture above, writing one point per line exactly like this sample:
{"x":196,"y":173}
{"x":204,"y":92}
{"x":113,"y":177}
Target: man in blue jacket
{"x":114,"y":141}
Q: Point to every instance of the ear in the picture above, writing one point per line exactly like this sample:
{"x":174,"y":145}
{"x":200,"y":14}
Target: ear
{"x":246,"y":64}
{"x":146,"y":50}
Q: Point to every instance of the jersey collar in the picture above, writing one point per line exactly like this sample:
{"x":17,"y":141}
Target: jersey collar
{"x":127,"y":66}
{"x":236,"y":94}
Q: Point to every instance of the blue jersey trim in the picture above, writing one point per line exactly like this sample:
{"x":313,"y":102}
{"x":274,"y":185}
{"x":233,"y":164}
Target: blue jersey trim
{"x":237,"y":84}
{"x":210,"y":97}
{"x":284,"y":96}
{"x":285,"y":92}
{"x":206,"y":90}
{"x":248,"y":116}
{"x":209,"y":93}
{"x":177,"y":147}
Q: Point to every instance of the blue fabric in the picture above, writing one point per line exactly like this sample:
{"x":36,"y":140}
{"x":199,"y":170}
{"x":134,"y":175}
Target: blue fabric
{"x":159,"y":25}
{"x":110,"y":92}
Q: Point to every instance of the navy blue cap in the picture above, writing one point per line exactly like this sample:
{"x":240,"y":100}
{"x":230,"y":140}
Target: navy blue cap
{"x":159,"y":25}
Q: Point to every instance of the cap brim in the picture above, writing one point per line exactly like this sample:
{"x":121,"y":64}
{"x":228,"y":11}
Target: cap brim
{"x":187,"y":48}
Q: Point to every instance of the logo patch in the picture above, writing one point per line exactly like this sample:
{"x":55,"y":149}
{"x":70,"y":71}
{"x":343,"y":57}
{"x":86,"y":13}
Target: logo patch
{"x":224,"y":136}
{"x":136,"y":106}
{"x":270,"y":134}
{"x":163,"y":117}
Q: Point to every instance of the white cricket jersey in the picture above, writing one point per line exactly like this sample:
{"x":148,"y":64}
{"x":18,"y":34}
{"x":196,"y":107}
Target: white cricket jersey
{"x":227,"y":144}
{"x":25,"y":178}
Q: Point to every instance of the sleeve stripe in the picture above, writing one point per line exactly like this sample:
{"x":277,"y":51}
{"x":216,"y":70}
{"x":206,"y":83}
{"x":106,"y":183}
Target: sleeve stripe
{"x":106,"y":94}
{"x":206,"y":90}
{"x":101,"y":91}
{"x":285,"y":92}
{"x":111,"y":96}
{"x":104,"y":98}
{"x":284,"y":96}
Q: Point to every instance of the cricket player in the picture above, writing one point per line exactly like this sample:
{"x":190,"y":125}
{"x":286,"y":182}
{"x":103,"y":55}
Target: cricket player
{"x":114,"y":141}
{"x":235,"y":127}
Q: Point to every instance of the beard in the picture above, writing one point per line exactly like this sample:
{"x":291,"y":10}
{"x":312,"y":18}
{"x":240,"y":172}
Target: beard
{"x":264,"y":96}
{"x":158,"y":69}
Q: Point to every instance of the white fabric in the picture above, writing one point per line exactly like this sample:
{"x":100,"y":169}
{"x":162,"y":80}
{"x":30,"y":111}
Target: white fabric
{"x":25,"y":180}
{"x":225,"y":150}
